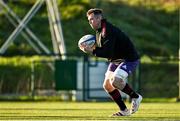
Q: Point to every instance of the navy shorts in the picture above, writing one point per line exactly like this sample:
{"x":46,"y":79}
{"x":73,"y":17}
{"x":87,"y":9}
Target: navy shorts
{"x":126,"y":66}
{"x":123,"y":69}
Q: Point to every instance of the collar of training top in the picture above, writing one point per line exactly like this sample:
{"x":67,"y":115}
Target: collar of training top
{"x":103,"y":28}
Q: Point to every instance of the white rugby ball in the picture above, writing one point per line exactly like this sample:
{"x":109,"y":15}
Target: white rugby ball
{"x":88,"y":40}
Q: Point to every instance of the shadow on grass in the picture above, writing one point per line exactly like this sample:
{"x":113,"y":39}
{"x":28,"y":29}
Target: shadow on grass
{"x":85,"y":118}
{"x":54,"y":109}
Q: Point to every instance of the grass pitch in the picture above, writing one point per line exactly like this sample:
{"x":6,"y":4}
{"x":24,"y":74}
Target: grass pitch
{"x":85,"y":111}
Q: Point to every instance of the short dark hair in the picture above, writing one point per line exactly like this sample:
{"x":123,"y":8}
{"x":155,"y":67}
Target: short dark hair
{"x":96,"y":11}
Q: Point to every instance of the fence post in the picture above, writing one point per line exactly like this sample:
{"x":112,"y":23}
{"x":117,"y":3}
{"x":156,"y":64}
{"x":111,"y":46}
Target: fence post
{"x":32,"y":80}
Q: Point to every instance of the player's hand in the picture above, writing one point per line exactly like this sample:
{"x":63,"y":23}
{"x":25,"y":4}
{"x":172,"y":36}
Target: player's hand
{"x":82,"y":47}
{"x":86,"y":49}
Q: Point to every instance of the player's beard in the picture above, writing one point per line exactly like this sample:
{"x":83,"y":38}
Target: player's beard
{"x":95,"y":27}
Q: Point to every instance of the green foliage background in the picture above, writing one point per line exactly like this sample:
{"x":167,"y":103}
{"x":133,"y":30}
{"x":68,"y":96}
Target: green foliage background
{"x":152,"y":25}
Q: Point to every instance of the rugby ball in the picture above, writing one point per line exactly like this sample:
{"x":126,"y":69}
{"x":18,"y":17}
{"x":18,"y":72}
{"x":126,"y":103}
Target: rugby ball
{"x":87,"y":40}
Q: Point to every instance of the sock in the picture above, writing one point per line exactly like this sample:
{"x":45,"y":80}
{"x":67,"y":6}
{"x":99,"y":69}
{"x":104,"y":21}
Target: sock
{"x":128,"y":90}
{"x":116,"y":96}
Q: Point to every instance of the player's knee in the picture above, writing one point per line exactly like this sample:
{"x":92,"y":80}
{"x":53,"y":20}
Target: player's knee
{"x":119,"y":77}
{"x":118,"y":83}
{"x":107,"y":85}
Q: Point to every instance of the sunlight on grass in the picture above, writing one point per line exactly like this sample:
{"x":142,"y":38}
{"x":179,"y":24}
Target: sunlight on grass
{"x":22,"y":60}
{"x":69,"y":12}
{"x":84,"y":111}
{"x":167,"y":5}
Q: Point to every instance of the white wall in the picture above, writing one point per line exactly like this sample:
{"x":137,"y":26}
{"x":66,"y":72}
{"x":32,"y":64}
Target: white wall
{"x":95,"y":82}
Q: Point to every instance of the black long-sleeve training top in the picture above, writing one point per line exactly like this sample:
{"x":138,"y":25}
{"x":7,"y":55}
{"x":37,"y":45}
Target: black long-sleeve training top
{"x":113,"y":44}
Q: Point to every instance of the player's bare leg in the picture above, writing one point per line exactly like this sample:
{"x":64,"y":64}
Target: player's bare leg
{"x":120,"y":75}
{"x":116,"y":96}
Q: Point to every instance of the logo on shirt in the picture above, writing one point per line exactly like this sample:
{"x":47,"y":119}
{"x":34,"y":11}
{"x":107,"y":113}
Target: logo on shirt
{"x":124,"y":66}
{"x":105,"y":41}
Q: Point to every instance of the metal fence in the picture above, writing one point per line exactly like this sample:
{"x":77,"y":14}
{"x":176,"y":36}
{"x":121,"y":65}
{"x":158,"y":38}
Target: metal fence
{"x":39,"y":79}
